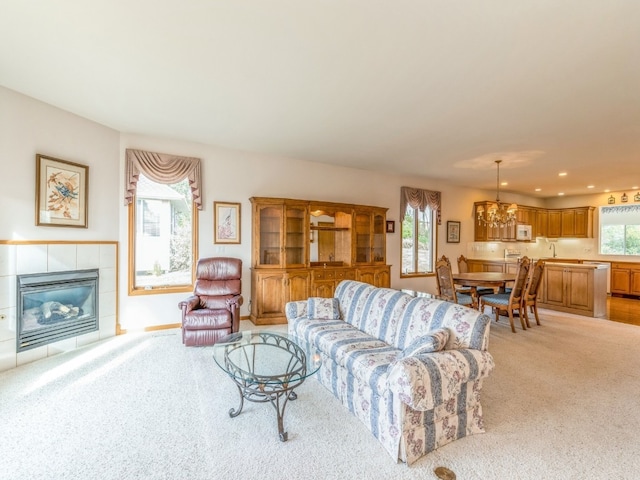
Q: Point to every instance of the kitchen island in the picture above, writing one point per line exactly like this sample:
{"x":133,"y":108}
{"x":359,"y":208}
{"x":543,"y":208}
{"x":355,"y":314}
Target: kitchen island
{"x":569,"y":285}
{"x":579,"y":288}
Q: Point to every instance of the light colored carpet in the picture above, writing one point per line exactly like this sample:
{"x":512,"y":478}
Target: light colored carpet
{"x":561,"y":404}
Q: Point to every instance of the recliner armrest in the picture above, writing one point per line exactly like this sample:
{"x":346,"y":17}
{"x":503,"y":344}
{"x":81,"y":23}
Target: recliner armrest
{"x":234,"y":302}
{"x":189,"y":304}
{"x":427,"y":380}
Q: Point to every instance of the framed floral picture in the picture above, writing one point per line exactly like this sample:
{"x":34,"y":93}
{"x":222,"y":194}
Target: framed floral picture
{"x":226,"y":221}
{"x":62,"y":190}
{"x":453,"y":232}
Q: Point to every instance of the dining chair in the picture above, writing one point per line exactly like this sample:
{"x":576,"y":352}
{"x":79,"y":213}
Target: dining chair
{"x":446,"y":287}
{"x":512,"y":301}
{"x":463,"y":267}
{"x":530,"y":297}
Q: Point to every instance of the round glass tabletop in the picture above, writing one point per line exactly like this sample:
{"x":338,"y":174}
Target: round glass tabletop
{"x":266,"y":358}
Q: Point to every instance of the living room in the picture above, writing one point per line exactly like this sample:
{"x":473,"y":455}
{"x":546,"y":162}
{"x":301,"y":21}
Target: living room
{"x":31,"y":125}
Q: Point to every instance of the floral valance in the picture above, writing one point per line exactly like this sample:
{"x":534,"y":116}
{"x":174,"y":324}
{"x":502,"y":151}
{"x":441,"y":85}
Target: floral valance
{"x":621,"y":209}
{"x":420,"y":199}
{"x":161,"y":168}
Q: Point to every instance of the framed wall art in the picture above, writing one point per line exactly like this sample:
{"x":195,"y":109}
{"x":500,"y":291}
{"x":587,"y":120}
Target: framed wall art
{"x":226,"y":221}
{"x":453,"y":232}
{"x":391,"y":226}
{"x":62,"y":189}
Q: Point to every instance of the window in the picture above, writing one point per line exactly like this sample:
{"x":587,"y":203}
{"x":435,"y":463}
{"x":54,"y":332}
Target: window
{"x":417,"y":241}
{"x":163,"y":195}
{"x":420,"y":213}
{"x":620,"y":230}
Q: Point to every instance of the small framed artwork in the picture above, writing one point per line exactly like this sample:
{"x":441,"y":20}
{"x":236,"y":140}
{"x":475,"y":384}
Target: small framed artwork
{"x":636,"y":197}
{"x":453,"y":232}
{"x":391,"y":226}
{"x":62,"y":189}
{"x":226,"y":221}
{"x":611,"y":200}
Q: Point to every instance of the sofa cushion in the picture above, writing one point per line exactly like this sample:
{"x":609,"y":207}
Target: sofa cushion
{"x":323,"y":308}
{"x":433,"y":341}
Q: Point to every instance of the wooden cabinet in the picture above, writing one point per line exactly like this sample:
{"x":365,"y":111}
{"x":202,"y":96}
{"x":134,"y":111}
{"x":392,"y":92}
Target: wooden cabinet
{"x":378,"y":276}
{"x":369,"y":239}
{"x":575,"y":288}
{"x":486,"y":233}
{"x":305,"y":248}
{"x":571,"y":223}
{"x":272,"y":289}
{"x":625,"y":278}
{"x":542,"y":222}
{"x":554,"y":223}
{"x":281,"y":233}
{"x":501,"y":266}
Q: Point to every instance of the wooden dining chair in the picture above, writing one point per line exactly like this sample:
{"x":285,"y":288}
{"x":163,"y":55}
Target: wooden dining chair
{"x":512,"y":301}
{"x":463,"y":267}
{"x":446,"y":287}
{"x":530,"y":297}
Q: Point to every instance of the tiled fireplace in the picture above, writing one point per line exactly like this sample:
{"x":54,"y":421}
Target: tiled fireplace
{"x":55,"y":297}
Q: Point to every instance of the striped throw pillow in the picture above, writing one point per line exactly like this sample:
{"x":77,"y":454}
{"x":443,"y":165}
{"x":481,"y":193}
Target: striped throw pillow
{"x":434,"y":341}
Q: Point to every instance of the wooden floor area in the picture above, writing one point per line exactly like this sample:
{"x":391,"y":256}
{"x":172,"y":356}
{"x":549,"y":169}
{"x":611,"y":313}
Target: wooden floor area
{"x":625,"y":310}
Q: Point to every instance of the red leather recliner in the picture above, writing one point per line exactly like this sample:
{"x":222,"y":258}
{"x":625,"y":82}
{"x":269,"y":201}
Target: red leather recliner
{"x":213,"y":310}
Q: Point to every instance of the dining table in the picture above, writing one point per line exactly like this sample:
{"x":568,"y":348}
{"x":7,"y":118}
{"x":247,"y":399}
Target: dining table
{"x":473,"y":280}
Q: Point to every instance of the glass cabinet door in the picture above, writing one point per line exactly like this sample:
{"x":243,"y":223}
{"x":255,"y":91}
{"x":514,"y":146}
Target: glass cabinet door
{"x":270,"y":235}
{"x":379,"y":237}
{"x":363,"y":238}
{"x":296,"y":225}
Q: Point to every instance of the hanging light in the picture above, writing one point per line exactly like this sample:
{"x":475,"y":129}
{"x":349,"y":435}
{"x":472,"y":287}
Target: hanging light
{"x":498,"y":214}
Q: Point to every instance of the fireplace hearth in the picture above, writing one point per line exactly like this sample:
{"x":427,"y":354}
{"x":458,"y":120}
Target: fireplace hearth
{"x":54,"y":306}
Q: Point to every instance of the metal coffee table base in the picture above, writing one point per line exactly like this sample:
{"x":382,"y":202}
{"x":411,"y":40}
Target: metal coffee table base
{"x":278,"y":397}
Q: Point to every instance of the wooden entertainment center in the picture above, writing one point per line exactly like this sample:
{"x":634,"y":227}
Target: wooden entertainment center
{"x":304,"y":248}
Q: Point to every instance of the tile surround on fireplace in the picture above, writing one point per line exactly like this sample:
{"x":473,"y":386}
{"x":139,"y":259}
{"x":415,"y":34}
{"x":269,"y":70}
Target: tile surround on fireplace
{"x":17,"y":258}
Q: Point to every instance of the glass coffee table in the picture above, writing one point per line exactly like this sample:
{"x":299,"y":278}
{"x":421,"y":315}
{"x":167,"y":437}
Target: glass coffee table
{"x":266,"y":367}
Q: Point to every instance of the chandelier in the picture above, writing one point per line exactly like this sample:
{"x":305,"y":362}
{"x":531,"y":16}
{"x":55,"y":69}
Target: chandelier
{"x":498,"y":214}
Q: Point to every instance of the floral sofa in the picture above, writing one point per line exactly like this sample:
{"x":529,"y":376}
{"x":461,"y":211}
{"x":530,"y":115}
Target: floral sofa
{"x":410,"y":368}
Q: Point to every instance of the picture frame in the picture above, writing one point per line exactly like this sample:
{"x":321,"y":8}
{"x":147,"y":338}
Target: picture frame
{"x":636,"y":197}
{"x":62,"y":191}
{"x":226,"y":222}
{"x":391,"y":226}
{"x":611,"y":200}
{"x":453,"y":232}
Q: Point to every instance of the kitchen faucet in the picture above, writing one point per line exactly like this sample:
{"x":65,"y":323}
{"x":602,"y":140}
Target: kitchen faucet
{"x":553,"y":247}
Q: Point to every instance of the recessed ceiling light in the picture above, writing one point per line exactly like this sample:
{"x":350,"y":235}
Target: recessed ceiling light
{"x":560,"y":194}
{"x":562,"y":174}
{"x":635,"y":187}
{"x":607,"y":190}
{"x":538,"y":189}
{"x":504,"y":184}
{"x":590,"y":186}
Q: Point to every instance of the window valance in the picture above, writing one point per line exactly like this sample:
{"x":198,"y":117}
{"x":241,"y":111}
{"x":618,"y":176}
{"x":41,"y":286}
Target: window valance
{"x":161,"y":168}
{"x":420,"y":199}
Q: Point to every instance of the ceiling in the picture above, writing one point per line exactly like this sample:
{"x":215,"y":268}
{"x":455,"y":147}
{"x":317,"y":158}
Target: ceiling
{"x":419,"y":87}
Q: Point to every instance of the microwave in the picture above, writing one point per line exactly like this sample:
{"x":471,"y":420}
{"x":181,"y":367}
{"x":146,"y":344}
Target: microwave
{"x":523,"y":232}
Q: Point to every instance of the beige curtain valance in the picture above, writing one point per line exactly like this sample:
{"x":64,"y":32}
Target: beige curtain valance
{"x":161,"y":168}
{"x":420,"y":199}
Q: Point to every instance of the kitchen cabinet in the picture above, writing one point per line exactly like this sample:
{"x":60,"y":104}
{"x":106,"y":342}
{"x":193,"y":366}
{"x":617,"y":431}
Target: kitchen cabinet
{"x":625,"y":278}
{"x":486,"y":233}
{"x":501,"y":266}
{"x":554,"y":223}
{"x":306,"y":248}
{"x":542,"y":223}
{"x":575,"y":288}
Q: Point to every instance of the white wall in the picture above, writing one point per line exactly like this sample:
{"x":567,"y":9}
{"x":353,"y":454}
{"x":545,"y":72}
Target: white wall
{"x":28,"y":127}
